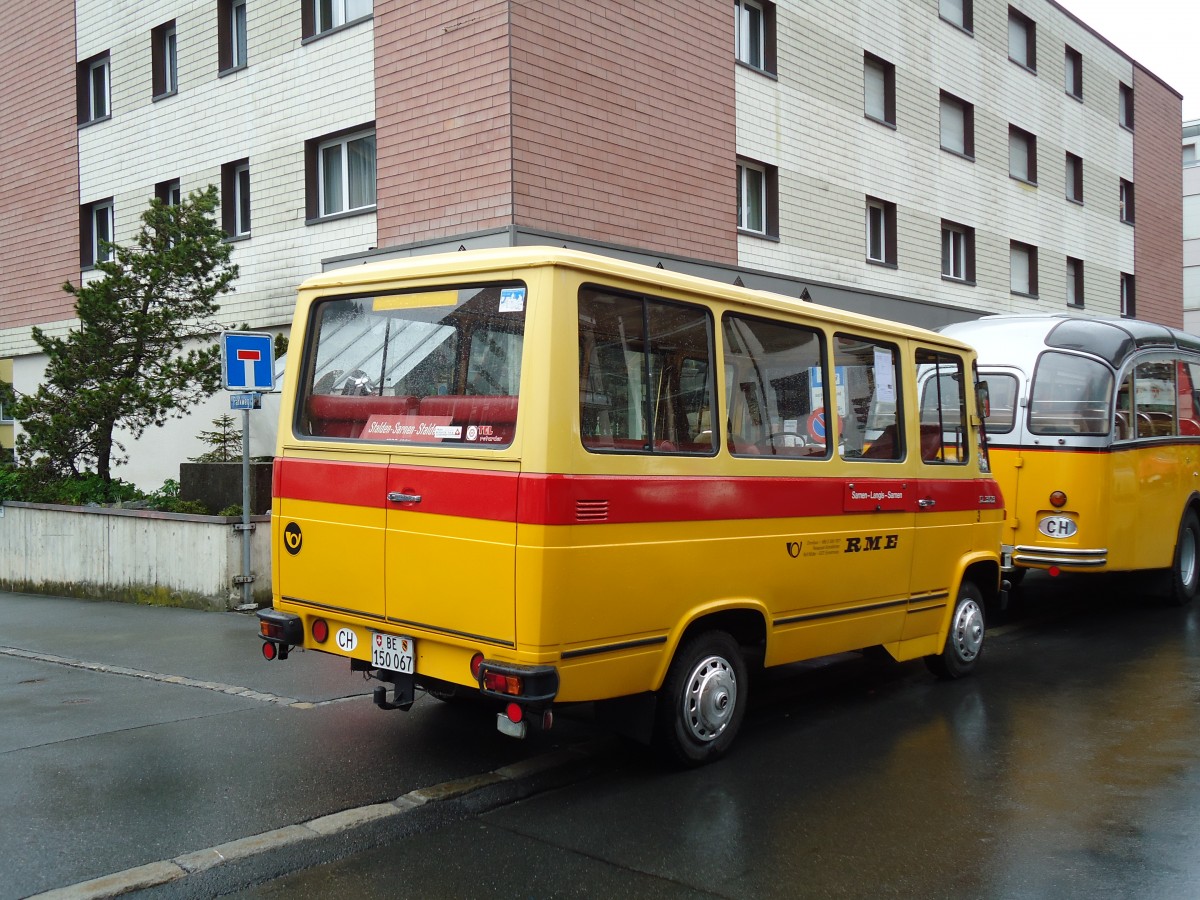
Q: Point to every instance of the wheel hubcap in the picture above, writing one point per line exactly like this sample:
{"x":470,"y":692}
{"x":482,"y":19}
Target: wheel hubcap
{"x":968,"y":630}
{"x":1187,"y":558}
{"x":710,"y":698}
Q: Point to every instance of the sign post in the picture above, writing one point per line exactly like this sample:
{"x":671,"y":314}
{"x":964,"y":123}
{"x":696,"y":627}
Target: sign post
{"x":248,"y":371}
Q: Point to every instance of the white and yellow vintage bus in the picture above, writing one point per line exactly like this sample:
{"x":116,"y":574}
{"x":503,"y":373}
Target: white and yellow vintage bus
{"x":539,"y":476}
{"x":1095,"y":440}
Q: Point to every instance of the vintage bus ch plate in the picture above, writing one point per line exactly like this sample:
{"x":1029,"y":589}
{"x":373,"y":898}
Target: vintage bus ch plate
{"x":392,"y":652}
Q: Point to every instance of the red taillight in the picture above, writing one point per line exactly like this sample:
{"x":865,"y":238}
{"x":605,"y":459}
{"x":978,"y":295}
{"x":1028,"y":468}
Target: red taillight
{"x":503,"y":684}
{"x":269,"y":650}
{"x":514,"y":712}
{"x":320,"y":630}
{"x":270,"y":630}
{"x":1054,"y":571}
{"x":476,"y":663}
{"x":1058,"y":499}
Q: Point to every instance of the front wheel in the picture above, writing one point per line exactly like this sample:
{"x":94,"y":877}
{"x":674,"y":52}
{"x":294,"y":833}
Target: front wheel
{"x":964,"y":642}
{"x":1185,"y":569}
{"x":702,"y":701}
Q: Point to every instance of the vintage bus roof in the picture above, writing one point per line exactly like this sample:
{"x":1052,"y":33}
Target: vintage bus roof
{"x":474,"y":262}
{"x":1018,"y":339}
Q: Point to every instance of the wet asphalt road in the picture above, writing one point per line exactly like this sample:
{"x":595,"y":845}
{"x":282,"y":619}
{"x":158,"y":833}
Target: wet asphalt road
{"x":1069,"y":766}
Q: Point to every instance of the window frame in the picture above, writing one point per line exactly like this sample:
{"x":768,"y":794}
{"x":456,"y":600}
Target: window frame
{"x":1031,"y":261}
{"x":164,"y":58}
{"x":1073,"y":72}
{"x":769,"y":196}
{"x":1128,"y":202}
{"x":236,"y":216}
{"x":1125,"y":112}
{"x":89,"y":237}
{"x":966,"y":248}
{"x":1027,"y":142}
{"x":887,"y":73}
{"x":314,"y":150}
{"x":169,"y":192}
{"x":966,"y":111}
{"x":881,"y":216}
{"x":311,"y":25}
{"x":1074,"y":177}
{"x":85,"y":89}
{"x":1026,"y":35}
{"x":968,"y":15}
{"x":232,"y":36}
{"x":1075,"y":283}
{"x":765,"y":34}
{"x":1128,"y":296}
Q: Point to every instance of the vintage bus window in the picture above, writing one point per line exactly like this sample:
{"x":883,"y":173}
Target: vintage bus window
{"x":436,"y":366}
{"x":1154,"y":398}
{"x":944,"y":435}
{"x":867,"y":385}
{"x":645,"y":375}
{"x":1070,"y":395}
{"x":1002,"y":391}
{"x":775,"y":389}
{"x":1188,"y":382}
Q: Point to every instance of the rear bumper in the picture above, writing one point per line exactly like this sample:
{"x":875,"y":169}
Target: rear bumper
{"x":280,"y":627}
{"x":1070,"y":560}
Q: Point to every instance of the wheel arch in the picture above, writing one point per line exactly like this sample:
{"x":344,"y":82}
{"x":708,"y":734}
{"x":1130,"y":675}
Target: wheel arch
{"x":744,"y":621}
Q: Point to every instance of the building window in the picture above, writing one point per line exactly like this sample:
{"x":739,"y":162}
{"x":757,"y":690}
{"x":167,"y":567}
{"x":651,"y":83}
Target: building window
{"x":321,"y":16}
{"x":1073,"y":73}
{"x":881,"y":231}
{"x":231,"y":35}
{"x":958,"y":251}
{"x":235,"y":198}
{"x":1128,"y":296}
{"x":1022,"y":260}
{"x":1127,"y":201}
{"x":164,"y":57}
{"x":957,"y":12}
{"x":340,"y":170}
{"x":1022,"y":154}
{"x":1022,"y":39}
{"x":168,"y":192}
{"x":1127,"y":106}
{"x":1189,"y":155}
{"x":754,"y":34}
{"x":758,"y":197}
{"x":1191,"y":217}
{"x":879,"y":89}
{"x":1074,"y":178}
{"x":1074,"y":282}
{"x":958,"y":125}
{"x":95,"y":233}
{"x":92,"y":88}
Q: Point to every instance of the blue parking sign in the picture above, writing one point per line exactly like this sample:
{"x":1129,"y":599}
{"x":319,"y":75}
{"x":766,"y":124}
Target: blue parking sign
{"x":247,"y":361}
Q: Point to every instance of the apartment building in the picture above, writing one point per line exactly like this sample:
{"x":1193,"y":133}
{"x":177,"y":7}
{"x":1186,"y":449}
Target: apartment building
{"x":925,"y":160}
{"x":1191,"y":226}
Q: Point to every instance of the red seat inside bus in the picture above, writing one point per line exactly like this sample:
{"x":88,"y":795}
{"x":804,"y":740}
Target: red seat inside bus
{"x":335,"y":415}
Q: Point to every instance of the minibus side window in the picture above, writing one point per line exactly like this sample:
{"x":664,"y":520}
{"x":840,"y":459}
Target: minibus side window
{"x":440,"y":366}
{"x":775,"y":388}
{"x":1154,"y":398}
{"x":645,"y":375}
{"x":1002,"y":390}
{"x":868,"y":401}
{"x":1070,"y":394}
{"x":944,"y":436}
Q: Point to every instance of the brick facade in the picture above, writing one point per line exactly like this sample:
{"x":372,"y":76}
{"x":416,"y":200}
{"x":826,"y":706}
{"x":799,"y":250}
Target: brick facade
{"x":39,"y":182}
{"x":1158,"y":197}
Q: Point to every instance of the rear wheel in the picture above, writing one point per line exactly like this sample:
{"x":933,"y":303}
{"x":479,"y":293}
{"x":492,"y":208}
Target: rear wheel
{"x":702,"y":701}
{"x":964,"y":642}
{"x":1185,"y":570}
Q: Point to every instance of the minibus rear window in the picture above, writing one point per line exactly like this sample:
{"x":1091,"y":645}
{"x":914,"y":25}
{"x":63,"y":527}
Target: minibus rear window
{"x":437,"y":366}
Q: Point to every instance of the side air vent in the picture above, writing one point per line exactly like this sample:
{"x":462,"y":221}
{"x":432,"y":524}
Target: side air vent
{"x":591,"y":510}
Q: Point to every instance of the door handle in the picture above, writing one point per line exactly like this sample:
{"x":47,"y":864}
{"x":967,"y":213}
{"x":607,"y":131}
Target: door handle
{"x":397,"y":497}
{"x":926,"y":503}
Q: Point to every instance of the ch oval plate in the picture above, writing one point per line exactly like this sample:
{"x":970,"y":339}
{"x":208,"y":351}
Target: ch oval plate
{"x":1058,"y":527}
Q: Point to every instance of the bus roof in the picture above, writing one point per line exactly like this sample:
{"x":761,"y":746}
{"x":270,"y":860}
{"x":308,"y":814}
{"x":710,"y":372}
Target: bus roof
{"x":475,"y":262}
{"x":1018,"y":339}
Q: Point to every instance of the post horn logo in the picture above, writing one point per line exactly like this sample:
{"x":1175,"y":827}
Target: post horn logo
{"x":292,"y":538}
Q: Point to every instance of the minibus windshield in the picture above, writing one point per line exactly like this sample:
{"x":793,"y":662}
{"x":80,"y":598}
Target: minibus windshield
{"x":433,"y":366}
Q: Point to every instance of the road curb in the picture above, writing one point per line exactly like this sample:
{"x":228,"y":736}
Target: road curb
{"x":506,"y":784}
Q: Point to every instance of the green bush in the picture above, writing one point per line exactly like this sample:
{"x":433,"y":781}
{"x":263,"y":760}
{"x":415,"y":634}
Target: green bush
{"x":33,"y":484}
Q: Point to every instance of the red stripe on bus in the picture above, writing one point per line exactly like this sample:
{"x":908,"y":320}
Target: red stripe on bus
{"x":548,"y":499}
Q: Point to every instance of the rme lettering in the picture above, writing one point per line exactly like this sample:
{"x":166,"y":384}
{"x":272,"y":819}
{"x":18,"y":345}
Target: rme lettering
{"x":872,"y":542}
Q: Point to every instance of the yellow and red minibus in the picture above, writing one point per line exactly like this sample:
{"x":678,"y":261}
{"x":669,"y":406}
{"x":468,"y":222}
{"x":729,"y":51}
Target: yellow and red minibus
{"x":539,"y":476}
{"x":1094,"y":433}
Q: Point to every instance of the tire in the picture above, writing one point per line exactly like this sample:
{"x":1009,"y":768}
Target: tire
{"x":1185,"y":568}
{"x":964,"y":642}
{"x":702,"y":701}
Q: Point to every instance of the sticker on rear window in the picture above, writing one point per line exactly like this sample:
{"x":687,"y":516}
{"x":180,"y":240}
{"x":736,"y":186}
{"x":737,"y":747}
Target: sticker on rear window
{"x":512,"y":299}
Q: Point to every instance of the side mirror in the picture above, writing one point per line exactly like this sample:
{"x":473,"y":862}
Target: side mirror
{"x":983,"y":402}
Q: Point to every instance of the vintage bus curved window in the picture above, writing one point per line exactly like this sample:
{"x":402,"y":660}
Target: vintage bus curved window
{"x":774,"y":387}
{"x":423,"y":367}
{"x":1002,"y":393}
{"x":645,"y":375}
{"x":1070,"y":395}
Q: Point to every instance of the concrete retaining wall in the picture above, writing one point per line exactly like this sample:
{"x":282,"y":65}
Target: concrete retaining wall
{"x":166,"y":559}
